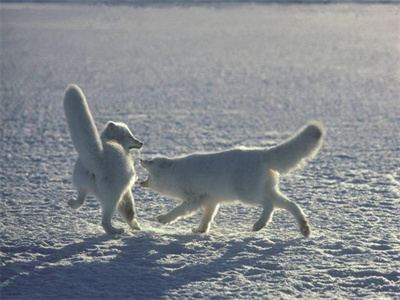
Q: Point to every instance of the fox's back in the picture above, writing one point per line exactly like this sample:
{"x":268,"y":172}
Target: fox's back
{"x":224,"y":175}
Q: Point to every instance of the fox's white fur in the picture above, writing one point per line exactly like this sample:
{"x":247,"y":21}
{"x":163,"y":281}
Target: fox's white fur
{"x":104,"y":167}
{"x":249,"y":175}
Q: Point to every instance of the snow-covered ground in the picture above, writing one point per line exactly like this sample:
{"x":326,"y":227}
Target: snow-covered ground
{"x":200,"y":78}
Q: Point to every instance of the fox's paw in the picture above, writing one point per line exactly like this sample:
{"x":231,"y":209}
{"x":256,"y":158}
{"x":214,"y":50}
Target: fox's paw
{"x":135,"y":225}
{"x":74,"y":204}
{"x":199,"y":230}
{"x":109,"y":229}
{"x":163,"y":219}
{"x":258,"y":225}
{"x":305,"y":228}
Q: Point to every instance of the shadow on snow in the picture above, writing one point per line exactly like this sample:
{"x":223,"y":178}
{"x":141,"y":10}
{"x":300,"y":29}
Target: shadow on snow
{"x":144,"y":265}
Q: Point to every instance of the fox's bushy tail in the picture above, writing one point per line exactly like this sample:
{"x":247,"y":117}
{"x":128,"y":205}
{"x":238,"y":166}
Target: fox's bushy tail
{"x":292,"y":153}
{"x":82,"y":128}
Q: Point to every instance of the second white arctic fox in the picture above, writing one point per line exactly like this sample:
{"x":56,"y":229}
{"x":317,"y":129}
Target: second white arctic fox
{"x":104,"y":167}
{"x":250,"y":175}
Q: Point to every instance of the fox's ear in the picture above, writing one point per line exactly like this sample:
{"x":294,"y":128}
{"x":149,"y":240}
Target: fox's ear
{"x":111,"y":126}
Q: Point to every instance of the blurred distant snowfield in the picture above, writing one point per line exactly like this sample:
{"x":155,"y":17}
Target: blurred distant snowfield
{"x":203,"y":78}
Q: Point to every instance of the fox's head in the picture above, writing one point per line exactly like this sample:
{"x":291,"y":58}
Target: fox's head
{"x":158,"y":169}
{"x":120,"y":133}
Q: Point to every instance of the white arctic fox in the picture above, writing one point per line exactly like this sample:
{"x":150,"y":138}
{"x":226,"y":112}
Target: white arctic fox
{"x":249,"y":175}
{"x":104,"y":167}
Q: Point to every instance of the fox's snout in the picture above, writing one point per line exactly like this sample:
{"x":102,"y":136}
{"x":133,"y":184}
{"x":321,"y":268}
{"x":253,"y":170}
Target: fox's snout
{"x":138,"y":145}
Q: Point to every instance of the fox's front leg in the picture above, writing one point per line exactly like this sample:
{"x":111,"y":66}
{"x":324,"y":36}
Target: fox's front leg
{"x":208,"y":216}
{"x":184,"y":209}
{"x":265,"y":217}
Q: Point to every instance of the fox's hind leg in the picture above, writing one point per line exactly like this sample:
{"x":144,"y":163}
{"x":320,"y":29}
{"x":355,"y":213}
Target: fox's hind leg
{"x":184,"y":209}
{"x":208,"y":216}
{"x":265,"y":217}
{"x":84,"y":182}
{"x":282,"y":201}
{"x":108,"y":209}
{"x":106,"y":223}
{"x":126,"y":209}
{"x":75,"y":204}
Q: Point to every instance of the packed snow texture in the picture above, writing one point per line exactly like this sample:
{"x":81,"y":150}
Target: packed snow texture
{"x":202,"y":78}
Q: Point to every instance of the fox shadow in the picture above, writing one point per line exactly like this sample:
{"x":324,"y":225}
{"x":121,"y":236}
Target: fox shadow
{"x":144,"y":266}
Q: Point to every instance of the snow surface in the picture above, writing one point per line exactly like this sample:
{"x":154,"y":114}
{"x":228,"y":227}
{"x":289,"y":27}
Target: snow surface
{"x":202,"y":78}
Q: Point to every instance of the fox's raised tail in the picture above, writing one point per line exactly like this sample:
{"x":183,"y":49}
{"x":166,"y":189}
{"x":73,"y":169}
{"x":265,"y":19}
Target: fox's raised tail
{"x":293,"y":152}
{"x":82,"y":128}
